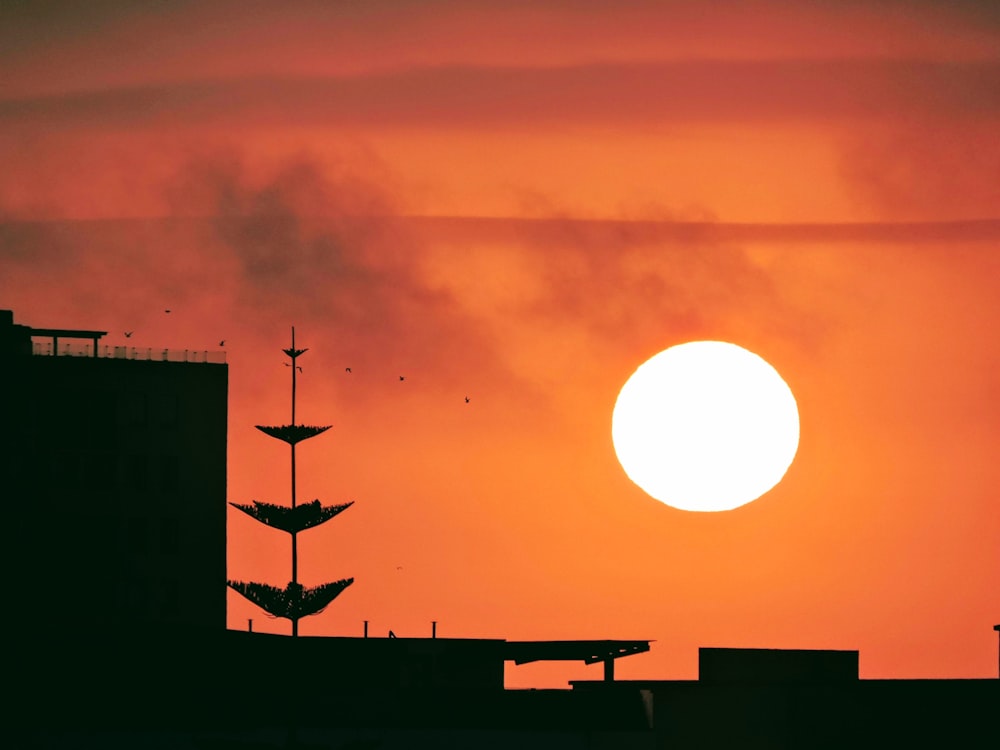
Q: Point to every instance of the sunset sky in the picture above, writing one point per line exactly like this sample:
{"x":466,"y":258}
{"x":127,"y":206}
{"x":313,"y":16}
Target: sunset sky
{"x":520,"y":203}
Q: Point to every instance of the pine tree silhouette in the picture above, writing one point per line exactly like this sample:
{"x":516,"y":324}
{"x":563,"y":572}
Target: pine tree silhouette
{"x":294,"y":601}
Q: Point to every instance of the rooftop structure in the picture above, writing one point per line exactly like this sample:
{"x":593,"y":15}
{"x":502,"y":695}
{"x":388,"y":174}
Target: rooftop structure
{"x":18,"y":340}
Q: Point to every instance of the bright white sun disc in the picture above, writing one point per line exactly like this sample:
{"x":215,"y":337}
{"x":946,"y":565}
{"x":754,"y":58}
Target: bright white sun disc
{"x":705,"y":425}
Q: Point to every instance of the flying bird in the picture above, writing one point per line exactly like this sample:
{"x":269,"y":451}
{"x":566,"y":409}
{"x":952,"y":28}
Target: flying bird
{"x":166,"y":311}
{"x":128,"y":334}
{"x":466,"y":399}
{"x":347,"y":369}
{"x":222,"y":343}
{"x":297,"y":367}
{"x":401,"y":378}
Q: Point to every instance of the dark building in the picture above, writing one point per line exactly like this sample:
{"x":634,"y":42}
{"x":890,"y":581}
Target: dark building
{"x":810,"y":699}
{"x":114,"y":476}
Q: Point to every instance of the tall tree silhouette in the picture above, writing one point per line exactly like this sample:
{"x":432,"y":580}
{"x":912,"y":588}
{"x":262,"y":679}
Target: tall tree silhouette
{"x":294,"y":601}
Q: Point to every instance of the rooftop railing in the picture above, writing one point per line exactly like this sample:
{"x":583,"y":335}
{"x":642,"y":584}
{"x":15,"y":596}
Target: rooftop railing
{"x":129,"y":352}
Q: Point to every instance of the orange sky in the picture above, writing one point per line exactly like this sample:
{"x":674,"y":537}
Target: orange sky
{"x":520,"y":203}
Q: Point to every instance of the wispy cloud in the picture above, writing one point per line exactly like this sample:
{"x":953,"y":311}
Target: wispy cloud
{"x":600,"y":93}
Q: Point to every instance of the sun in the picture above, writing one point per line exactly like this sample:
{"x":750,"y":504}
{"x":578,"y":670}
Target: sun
{"x":705,"y":426}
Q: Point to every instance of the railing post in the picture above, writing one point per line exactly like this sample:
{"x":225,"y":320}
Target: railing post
{"x":997,"y":628}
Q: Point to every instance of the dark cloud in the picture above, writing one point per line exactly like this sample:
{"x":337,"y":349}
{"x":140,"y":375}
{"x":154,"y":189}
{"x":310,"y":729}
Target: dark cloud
{"x":293,"y":229}
{"x":324,"y":246}
{"x":918,"y":169}
{"x":611,"y":232}
{"x":607,"y":292}
{"x":221,"y":37}
{"x":461,"y":96}
{"x":611,"y":292}
{"x":30,"y":24}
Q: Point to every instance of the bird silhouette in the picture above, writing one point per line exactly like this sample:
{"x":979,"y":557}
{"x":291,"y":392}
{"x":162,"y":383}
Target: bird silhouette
{"x":222,"y":343}
{"x":166,"y":311}
{"x":286,"y":364}
{"x":297,"y":367}
{"x":347,"y":369}
{"x":466,"y":399}
{"x":401,"y":378}
{"x":128,"y":334}
{"x":391,"y":634}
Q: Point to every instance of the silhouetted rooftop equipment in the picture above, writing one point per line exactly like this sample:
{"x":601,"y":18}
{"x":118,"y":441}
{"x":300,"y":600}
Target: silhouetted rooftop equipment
{"x":142,"y":354}
{"x":17,"y":338}
{"x":589,"y":652}
{"x":997,"y":628}
{"x":65,"y":333}
{"x":738,"y":665}
{"x":393,"y":659}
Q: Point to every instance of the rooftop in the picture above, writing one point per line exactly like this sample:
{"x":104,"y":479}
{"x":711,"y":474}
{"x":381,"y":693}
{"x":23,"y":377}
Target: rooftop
{"x":21,"y":340}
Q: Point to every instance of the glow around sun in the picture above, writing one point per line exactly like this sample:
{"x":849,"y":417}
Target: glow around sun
{"x":705,"y":425}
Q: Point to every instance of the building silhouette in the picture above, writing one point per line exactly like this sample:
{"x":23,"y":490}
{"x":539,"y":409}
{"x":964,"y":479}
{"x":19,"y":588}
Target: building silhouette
{"x":118,"y":464}
{"x":114,"y":468}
